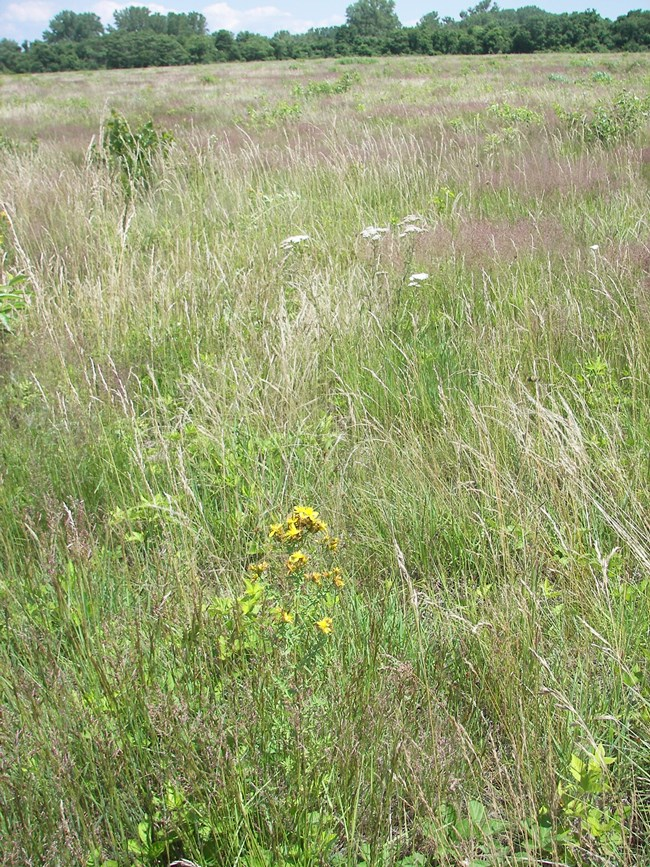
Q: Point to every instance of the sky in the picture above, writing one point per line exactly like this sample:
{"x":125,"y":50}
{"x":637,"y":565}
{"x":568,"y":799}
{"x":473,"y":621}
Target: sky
{"x":27,"y":19}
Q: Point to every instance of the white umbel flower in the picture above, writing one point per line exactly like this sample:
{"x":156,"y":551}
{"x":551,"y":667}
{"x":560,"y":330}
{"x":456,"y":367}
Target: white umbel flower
{"x":293,"y":241}
{"x":373,"y":233}
{"x":416,"y":279}
{"x":411,"y":230}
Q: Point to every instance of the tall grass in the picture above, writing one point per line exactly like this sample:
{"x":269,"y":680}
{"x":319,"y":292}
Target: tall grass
{"x":179,"y":381}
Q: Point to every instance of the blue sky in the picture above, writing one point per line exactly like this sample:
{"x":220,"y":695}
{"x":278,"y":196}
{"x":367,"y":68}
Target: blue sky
{"x":26,"y":19}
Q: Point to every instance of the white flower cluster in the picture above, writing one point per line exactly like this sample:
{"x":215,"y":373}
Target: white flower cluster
{"x":411,"y":230}
{"x":294,"y":241}
{"x":416,"y":279}
{"x":373,"y":233}
{"x":407,"y":226}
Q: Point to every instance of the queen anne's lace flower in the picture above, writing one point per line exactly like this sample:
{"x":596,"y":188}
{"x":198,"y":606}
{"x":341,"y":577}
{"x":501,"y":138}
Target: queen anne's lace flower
{"x":373,"y":233}
{"x":293,"y":241}
{"x":411,"y":230}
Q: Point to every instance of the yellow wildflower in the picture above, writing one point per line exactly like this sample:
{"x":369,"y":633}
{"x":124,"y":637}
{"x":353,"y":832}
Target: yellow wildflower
{"x":316,"y":577}
{"x":276,"y":531}
{"x":296,"y":561}
{"x":282,"y":615}
{"x":336,"y":578}
{"x":293,"y":532}
{"x":305,"y":516}
{"x":331,"y":542}
{"x":256,"y":569}
{"x":325,"y":625}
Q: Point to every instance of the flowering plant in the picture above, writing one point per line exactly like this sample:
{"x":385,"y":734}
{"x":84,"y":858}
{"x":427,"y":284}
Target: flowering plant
{"x":290,"y":594}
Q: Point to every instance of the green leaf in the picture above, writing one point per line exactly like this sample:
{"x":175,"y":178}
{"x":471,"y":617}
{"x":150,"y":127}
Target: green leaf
{"x":477,"y":813}
{"x":448,"y":814}
{"x":158,"y":848}
{"x":577,"y":767}
{"x":134,"y":847}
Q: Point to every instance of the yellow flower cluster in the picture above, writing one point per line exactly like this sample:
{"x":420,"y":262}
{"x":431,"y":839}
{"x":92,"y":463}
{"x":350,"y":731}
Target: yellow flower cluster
{"x":296,"y":561}
{"x":334,"y":575}
{"x":299,"y":523}
{"x":301,"y":520}
{"x":258,"y":569}
{"x":331,"y":542}
{"x":326,"y":625}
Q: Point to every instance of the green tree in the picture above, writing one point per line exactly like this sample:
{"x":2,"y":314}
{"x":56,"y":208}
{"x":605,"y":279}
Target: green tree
{"x":495,"y":39}
{"x":372,"y":18}
{"x":283,"y":45}
{"x":631,"y":32}
{"x":227,"y":48}
{"x":144,"y":48}
{"x":430,"y":21}
{"x":12,"y":58}
{"x":135,"y":19}
{"x":200,"y":49}
{"x":254,"y":47}
{"x":74,"y":26}
{"x":186,"y":24}
{"x":92,"y":52}
{"x":61,"y":56}
{"x":480,"y":13}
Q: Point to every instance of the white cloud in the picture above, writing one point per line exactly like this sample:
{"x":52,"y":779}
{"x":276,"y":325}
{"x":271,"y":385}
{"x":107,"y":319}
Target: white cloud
{"x":221,"y":16}
{"x":105,"y":9}
{"x":261,"y":19}
{"x":30,"y":12}
{"x":28,"y":19}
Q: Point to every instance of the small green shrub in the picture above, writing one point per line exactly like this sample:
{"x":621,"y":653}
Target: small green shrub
{"x":512,"y":113}
{"x":13,"y":299}
{"x":610,"y":124}
{"x":271,"y":115}
{"x":353,"y":61}
{"x":13,"y":291}
{"x":16,"y":146}
{"x":327,"y":88}
{"x":602,"y":77}
{"x":132,"y":152}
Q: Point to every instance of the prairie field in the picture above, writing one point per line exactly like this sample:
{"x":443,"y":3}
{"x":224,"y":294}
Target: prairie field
{"x":324,"y":464}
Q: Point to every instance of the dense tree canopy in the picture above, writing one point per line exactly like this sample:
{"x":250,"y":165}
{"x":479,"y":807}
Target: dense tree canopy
{"x":372,"y":18}
{"x":75,"y":26}
{"x":140,"y":37}
{"x":134,"y":19}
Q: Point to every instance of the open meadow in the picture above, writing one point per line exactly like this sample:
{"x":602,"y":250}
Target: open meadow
{"x":324,"y":464}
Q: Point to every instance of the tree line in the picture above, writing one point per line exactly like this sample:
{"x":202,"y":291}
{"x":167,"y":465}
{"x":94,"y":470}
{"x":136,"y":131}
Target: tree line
{"x":139,"y":37}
